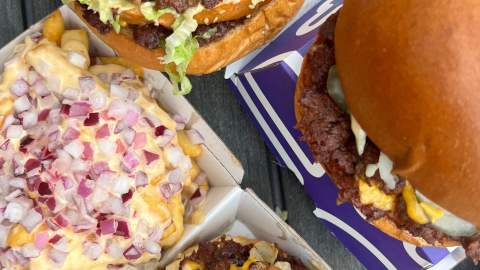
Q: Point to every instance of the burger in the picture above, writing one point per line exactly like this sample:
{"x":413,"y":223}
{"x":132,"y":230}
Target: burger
{"x":185,"y":37}
{"x":235,"y":253}
{"x":387,"y":102}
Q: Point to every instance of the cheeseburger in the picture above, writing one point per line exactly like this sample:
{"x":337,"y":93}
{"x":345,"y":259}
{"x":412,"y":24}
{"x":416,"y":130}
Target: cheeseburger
{"x":388,"y":103}
{"x":185,"y":37}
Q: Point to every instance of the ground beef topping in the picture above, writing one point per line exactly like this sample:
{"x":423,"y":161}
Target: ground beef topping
{"x":150,"y":36}
{"x":326,"y":130}
{"x":207,"y":34}
{"x":182,"y":5}
{"x":93,"y":19}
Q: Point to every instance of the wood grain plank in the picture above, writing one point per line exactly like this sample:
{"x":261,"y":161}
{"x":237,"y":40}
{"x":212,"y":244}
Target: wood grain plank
{"x":218,"y":105}
{"x":11,"y":23}
{"x":37,"y":9}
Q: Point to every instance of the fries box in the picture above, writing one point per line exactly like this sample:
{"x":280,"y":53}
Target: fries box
{"x":228,"y":208}
{"x":264,"y":82}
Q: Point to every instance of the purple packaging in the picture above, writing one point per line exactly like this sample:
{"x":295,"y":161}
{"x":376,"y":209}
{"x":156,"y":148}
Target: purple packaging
{"x":265,"y":83}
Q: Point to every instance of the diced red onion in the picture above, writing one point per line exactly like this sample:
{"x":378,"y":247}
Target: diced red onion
{"x":174,"y":155}
{"x":127,"y":196}
{"x":54,"y":116}
{"x":72,"y":94}
{"x":4,"y":145}
{"x":198,"y":196}
{"x":14,"y":132}
{"x":120,"y":126}
{"x":117,"y":109}
{"x":116,"y":78}
{"x":152,"y":247}
{"x":41,"y":240}
{"x":150,"y":157}
{"x":102,"y":132}
{"x":100,"y":167}
{"x":14,"y":212}
{"x":160,"y":130}
{"x":107,"y":147}
{"x":92,"y":250}
{"x":79,"y":165}
{"x":17,"y":182}
{"x":85,"y":188}
{"x":103,"y":77}
{"x":71,"y":134}
{"x":32,"y":164}
{"x":91,"y":120}
{"x":114,"y":249}
{"x":59,"y":243}
{"x":44,"y":189}
{"x":128,"y":135}
{"x":122,"y":229}
{"x":77,"y":59}
{"x":131,"y":117}
{"x":99,"y":196}
{"x":195,"y":136}
{"x":141,"y":179}
{"x":74,"y":148}
{"x":175,"y":176}
{"x":30,"y":119}
{"x":79,"y":109}
{"x":4,"y":231}
{"x":87,"y":151}
{"x":180,"y":120}
{"x":58,"y":257}
{"x":12,"y":195}
{"x":121,"y":185}
{"x":61,"y":221}
{"x":130,"y":161}
{"x":51,"y":204}
{"x":128,"y":74}
{"x":140,"y":140}
{"x":169,"y":189}
{"x":132,"y":253}
{"x":201,"y":178}
{"x":22,"y":104}
{"x":40,"y":88}
{"x":33,"y":77}
{"x":19,"y":88}
{"x":118,"y":91}
{"x":98,"y":100}
{"x":156,"y":234}
{"x":30,"y":251}
{"x":166,"y":138}
{"x":43,"y":115}
{"x":87,"y":84}
{"x":9,"y":120}
{"x":108,"y":226}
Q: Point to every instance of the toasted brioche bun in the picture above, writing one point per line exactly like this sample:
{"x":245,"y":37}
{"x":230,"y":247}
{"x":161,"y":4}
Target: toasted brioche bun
{"x":384,"y":224}
{"x":410,"y":71}
{"x":262,"y":26}
{"x":220,"y":13}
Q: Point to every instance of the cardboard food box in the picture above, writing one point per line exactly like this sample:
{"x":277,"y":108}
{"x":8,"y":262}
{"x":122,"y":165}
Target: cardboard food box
{"x":270,"y":105}
{"x":228,"y":209}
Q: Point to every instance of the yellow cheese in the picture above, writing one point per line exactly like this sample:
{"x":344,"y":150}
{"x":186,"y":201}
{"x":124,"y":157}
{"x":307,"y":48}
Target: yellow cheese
{"x":190,"y":149}
{"x":414,"y":210}
{"x":373,"y":195}
{"x":432,"y":212}
{"x":19,"y":236}
{"x":246,"y":265}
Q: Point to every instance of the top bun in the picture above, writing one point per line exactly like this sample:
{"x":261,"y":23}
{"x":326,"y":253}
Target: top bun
{"x":411,"y":75}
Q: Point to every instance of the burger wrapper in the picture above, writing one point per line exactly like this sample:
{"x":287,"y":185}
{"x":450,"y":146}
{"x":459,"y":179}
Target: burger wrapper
{"x":228,"y":209}
{"x":270,"y":104}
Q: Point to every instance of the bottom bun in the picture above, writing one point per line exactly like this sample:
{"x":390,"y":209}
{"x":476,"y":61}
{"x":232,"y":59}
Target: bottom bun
{"x":306,"y":81}
{"x":252,"y":34}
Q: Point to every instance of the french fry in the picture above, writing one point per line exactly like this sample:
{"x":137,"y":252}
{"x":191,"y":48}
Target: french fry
{"x":122,"y":62}
{"x":54,"y":27}
{"x":77,"y":41}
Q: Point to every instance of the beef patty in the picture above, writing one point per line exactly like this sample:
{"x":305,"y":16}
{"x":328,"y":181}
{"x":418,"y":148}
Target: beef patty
{"x":327,"y":131}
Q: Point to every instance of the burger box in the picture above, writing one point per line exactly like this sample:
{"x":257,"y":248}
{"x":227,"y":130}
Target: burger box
{"x":228,"y":209}
{"x":270,"y":104}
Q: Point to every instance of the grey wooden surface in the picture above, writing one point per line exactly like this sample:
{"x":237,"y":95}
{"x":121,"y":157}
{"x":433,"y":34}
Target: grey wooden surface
{"x":211,"y":97}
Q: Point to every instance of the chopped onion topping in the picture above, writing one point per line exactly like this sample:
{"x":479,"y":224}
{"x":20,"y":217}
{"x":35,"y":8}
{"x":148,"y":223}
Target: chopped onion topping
{"x":132,"y":253}
{"x":22,"y":104}
{"x":19,"y":88}
{"x":77,"y":59}
{"x":92,"y":250}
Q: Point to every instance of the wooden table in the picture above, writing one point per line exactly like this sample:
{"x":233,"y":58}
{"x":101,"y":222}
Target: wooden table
{"x":211,"y":97}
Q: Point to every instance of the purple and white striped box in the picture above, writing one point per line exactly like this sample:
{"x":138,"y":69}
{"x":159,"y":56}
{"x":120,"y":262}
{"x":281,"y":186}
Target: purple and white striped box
{"x":265,"y":82}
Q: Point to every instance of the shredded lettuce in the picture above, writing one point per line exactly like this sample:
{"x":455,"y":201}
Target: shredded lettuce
{"x":180,"y":47}
{"x":150,"y":13}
